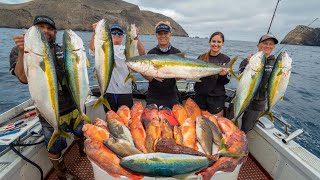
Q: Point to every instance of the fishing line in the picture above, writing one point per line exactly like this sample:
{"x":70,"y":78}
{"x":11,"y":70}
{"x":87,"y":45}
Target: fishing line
{"x":296,"y":35}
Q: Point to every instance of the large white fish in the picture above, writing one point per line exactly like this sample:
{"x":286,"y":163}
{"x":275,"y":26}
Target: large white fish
{"x":76,"y":69}
{"x":42,"y":79}
{"x":174,"y":66}
{"x":104,"y":59}
{"x":249,"y":83}
{"x":278,"y":81}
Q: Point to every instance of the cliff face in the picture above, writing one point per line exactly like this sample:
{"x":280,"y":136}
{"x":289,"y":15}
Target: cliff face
{"x":303,"y":35}
{"x":81,"y":14}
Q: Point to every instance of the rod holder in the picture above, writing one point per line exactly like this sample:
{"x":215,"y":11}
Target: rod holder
{"x":292,"y":135}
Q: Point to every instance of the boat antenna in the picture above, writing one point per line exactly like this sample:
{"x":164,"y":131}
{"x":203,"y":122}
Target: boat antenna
{"x":274,"y":12}
{"x":293,"y":38}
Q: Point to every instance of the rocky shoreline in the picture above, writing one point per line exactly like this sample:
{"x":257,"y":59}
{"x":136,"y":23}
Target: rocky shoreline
{"x":80,"y":14}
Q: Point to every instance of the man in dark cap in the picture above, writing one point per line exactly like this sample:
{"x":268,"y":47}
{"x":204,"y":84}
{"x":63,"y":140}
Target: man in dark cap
{"x":165,"y":92}
{"x":67,"y":108}
{"x":266,"y":44}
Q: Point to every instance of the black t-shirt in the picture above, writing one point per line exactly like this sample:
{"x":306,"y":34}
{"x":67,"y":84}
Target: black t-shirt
{"x":213,"y":85}
{"x":259,"y":100}
{"x":65,"y":100}
{"x":167,"y":89}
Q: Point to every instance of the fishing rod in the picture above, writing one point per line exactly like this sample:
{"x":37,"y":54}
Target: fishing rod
{"x":293,"y":38}
{"x":274,"y":12}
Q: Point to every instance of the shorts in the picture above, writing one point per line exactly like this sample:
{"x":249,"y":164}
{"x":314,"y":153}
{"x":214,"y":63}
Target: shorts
{"x":167,"y":103}
{"x":213,"y":104}
{"x":60,"y":143}
{"x":117,"y":100}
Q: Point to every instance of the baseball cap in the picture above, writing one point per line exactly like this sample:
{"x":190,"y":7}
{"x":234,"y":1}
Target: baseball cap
{"x":163,"y":26}
{"x":116,"y":26}
{"x":44,"y":19}
{"x":268,"y":36}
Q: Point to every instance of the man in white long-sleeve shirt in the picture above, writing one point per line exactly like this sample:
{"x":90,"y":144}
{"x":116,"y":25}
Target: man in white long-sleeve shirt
{"x":119,"y":92}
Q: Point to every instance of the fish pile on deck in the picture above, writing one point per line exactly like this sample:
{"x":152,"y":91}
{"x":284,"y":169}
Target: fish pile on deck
{"x":163,"y":142}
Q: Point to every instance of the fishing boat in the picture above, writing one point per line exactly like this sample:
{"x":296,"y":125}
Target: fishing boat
{"x":273,"y":152}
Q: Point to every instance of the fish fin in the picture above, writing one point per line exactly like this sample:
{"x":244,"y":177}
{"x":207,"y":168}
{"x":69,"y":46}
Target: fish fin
{"x":43,"y":66}
{"x":82,"y":117}
{"x":64,"y":134}
{"x":103,"y":101}
{"x":268,"y":113}
{"x":159,"y":79}
{"x":95,"y":73}
{"x":53,"y":138}
{"x":87,"y":62}
{"x":224,"y":152}
{"x":182,"y":176}
{"x":132,"y":77}
{"x":181,"y":54}
{"x":114,"y":65}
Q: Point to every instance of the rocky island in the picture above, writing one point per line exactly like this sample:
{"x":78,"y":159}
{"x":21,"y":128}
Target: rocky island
{"x":80,"y":14}
{"x":303,"y":35}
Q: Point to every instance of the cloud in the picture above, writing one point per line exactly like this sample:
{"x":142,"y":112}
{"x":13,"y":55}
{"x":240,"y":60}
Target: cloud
{"x":238,"y":20}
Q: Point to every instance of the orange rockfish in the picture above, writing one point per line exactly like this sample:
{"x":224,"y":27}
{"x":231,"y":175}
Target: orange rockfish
{"x":125,"y":114}
{"x":188,"y":131}
{"x":165,"y":113}
{"x":136,"y":128}
{"x":153,"y":131}
{"x":100,"y":123}
{"x":192,"y":109}
{"x":95,"y":132}
{"x":226,"y":126}
{"x":150,"y":112}
{"x":106,"y":159}
{"x":179,"y":113}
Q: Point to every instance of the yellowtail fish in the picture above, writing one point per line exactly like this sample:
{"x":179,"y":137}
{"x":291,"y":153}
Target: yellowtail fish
{"x":163,"y":164}
{"x":249,"y":83}
{"x":173,"y":66}
{"x":42,"y":79}
{"x":278,"y":81}
{"x":104,"y":59}
{"x":76,"y":70}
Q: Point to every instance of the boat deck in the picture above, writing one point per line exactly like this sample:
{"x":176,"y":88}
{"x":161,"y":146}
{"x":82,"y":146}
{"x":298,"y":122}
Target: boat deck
{"x":82,"y":167}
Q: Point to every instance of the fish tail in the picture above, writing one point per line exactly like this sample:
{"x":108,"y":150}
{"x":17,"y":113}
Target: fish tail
{"x":82,"y":117}
{"x":130,"y":76}
{"x":53,"y":138}
{"x":64,"y":134}
{"x":103,"y":101}
{"x":230,"y":67}
{"x":267,"y":113}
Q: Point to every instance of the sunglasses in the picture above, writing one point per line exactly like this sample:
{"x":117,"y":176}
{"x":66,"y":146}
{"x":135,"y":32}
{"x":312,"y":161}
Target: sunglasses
{"x":115,"y":32}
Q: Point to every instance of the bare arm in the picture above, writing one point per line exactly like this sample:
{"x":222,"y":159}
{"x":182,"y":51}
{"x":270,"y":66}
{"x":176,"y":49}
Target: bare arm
{"x":19,"y":68}
{"x":91,"y":46}
{"x":141,"y":49}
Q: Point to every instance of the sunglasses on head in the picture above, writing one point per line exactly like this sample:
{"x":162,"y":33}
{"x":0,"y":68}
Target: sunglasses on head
{"x":115,"y":32}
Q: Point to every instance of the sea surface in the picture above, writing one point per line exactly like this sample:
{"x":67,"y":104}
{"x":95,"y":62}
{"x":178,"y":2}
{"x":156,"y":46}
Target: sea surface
{"x":300,"y":107}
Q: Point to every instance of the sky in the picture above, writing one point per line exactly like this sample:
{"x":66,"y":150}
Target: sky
{"x":245,"y":20}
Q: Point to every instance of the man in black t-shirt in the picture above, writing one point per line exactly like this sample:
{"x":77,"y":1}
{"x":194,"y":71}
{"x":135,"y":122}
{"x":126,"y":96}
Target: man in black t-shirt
{"x":165,"y":92}
{"x":67,"y":108}
{"x":249,"y":118}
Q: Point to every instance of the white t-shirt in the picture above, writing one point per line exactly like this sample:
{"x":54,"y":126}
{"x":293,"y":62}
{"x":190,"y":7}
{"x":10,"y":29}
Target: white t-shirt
{"x":119,"y":73}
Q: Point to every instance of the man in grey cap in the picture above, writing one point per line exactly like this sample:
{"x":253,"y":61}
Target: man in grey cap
{"x":250,"y":116}
{"x":67,"y":108}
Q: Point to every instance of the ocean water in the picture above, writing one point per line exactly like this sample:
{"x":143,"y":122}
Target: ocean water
{"x":300,"y":107}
